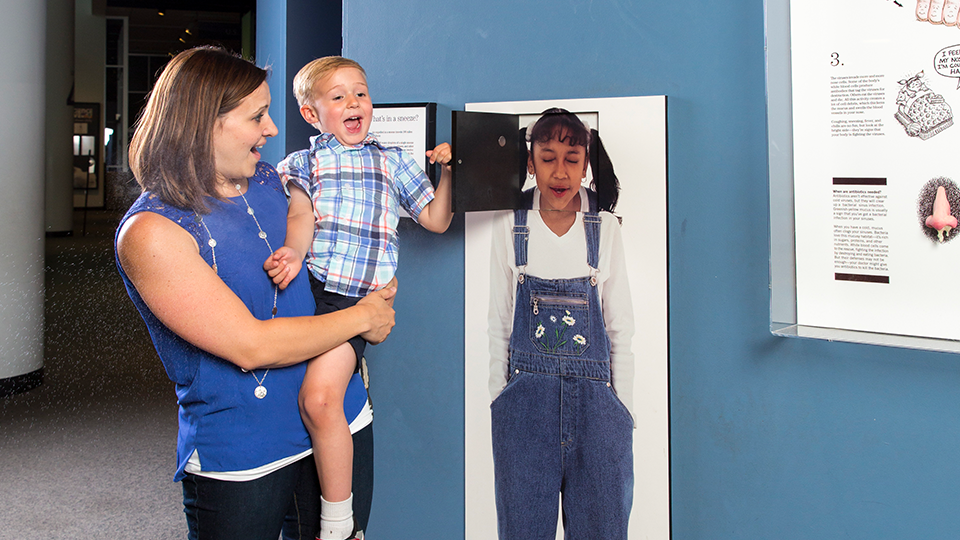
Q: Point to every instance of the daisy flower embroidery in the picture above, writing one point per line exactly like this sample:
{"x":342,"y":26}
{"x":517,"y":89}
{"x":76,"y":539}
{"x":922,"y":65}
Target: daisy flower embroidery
{"x":580,"y":341}
{"x":550,"y":332}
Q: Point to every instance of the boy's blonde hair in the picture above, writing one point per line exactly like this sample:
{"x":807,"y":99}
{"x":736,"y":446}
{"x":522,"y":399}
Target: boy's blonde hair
{"x":316,"y":70}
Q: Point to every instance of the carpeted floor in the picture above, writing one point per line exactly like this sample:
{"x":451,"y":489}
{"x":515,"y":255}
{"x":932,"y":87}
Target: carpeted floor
{"x":91,"y":453}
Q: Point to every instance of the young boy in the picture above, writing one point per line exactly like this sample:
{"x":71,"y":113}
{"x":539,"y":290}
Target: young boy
{"x":344,"y":196}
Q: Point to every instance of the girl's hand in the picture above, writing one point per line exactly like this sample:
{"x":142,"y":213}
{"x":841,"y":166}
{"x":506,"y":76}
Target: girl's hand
{"x":442,"y":154}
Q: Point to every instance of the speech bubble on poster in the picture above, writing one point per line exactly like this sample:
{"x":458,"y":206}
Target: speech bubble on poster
{"x":947,"y":62}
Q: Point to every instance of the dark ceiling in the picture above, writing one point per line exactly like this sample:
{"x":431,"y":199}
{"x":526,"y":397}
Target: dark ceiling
{"x":170,"y":26}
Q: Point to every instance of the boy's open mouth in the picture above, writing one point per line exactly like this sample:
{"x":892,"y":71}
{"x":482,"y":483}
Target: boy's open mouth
{"x":559,"y":191}
{"x":352,"y":123}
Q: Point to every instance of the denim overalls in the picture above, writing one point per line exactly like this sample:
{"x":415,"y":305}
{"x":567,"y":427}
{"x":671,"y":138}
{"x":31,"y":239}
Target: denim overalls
{"x":558,"y":427}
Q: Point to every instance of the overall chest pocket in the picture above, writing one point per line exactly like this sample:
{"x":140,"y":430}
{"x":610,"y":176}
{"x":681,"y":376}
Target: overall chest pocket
{"x":559,"y":323}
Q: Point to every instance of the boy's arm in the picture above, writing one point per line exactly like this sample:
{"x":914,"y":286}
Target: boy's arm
{"x":284,"y":264}
{"x":300,"y":222}
{"x":437,"y":214}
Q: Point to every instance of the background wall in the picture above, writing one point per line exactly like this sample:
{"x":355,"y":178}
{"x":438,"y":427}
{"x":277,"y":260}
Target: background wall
{"x":290,"y":34}
{"x":771,"y":437}
{"x":58,"y":125}
{"x":89,"y":73}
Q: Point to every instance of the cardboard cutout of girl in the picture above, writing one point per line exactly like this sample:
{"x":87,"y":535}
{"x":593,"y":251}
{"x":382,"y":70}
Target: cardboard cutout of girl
{"x":560,"y":328}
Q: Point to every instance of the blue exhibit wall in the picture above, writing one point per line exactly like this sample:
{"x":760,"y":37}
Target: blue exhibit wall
{"x":416,"y":377}
{"x":770,"y":437}
{"x":271,"y":40}
{"x":313,"y":30}
{"x":290,"y":34}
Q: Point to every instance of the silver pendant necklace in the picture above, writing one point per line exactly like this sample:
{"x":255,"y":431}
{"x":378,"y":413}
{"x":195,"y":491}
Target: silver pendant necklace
{"x":260,"y":391}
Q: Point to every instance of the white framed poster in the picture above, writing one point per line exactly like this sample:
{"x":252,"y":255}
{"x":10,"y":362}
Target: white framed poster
{"x":633,"y":129}
{"x":410,"y":126}
{"x":861,"y":100}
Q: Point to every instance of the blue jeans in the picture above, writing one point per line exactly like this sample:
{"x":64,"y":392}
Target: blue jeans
{"x":566,"y":436}
{"x":286,"y":501}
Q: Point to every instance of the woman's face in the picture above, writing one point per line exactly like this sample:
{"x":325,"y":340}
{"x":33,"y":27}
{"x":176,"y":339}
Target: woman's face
{"x":238,"y":134}
{"x":559,"y":169}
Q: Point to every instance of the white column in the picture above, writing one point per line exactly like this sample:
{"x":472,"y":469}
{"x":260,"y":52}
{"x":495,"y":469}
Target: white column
{"x":22,"y":97}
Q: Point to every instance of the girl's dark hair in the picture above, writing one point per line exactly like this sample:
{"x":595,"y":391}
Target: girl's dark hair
{"x":171,"y":152}
{"x":564,"y":126}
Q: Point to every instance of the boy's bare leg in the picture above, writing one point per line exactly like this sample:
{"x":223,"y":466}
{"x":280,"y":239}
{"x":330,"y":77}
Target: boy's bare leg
{"x":321,"y":406}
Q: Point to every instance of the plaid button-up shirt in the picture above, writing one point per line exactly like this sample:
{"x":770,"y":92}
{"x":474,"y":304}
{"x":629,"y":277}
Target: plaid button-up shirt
{"x":356,"y":194}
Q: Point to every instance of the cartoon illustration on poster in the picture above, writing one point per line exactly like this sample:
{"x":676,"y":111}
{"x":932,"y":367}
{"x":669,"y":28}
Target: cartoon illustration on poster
{"x":876,"y":205}
{"x":922,"y":112}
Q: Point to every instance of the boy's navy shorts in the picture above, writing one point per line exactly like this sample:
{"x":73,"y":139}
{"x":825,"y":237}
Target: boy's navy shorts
{"x":328,"y":302}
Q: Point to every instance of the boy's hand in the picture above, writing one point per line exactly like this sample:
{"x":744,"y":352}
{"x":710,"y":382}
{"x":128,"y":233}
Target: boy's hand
{"x":441,"y":154}
{"x":282,"y":266}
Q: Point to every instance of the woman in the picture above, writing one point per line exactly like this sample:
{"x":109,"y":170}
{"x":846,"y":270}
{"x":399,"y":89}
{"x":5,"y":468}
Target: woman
{"x":190,"y":252}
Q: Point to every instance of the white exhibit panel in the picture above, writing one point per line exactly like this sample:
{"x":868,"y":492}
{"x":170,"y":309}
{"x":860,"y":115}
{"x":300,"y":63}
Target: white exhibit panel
{"x":863,"y":197}
{"x":633,"y":131}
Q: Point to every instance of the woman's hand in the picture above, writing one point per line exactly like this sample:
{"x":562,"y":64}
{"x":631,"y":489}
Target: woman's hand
{"x":380,"y":312}
{"x":391,"y":285}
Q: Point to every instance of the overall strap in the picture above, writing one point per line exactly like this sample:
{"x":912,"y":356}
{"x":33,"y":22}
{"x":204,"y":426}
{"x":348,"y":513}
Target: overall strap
{"x":521,"y":233}
{"x":591,"y":227}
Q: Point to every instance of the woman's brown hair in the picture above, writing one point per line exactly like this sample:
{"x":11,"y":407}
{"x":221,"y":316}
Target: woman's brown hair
{"x":171,"y":152}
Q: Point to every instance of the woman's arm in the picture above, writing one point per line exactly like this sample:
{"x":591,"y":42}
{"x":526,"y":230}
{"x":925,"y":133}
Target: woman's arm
{"x":163,"y":262}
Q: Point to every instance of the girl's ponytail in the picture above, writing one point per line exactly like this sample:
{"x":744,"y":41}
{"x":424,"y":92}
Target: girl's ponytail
{"x":604,"y":181}
{"x":524,"y":156}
